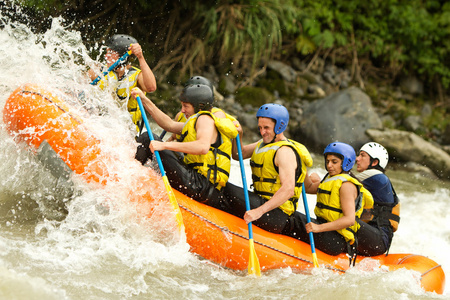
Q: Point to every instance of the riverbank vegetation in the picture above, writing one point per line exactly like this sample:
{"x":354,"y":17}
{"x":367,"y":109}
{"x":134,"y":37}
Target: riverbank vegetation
{"x":375,"y":38}
{"x":380,"y":42}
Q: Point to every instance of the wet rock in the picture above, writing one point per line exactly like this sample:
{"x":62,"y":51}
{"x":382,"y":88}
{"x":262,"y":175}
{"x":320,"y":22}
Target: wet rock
{"x":310,"y":77}
{"x":299,"y":92}
{"x":411,"y":85}
{"x":287,"y":72}
{"x":315,"y":91}
{"x":343,"y":116}
{"x":413,"y":123}
{"x":408,"y":146}
{"x":227,"y":85}
{"x":420,"y":169}
{"x":427,"y":110}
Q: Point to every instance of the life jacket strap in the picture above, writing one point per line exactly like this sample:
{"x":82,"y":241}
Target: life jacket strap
{"x":323,"y":206}
{"x":322,"y":191}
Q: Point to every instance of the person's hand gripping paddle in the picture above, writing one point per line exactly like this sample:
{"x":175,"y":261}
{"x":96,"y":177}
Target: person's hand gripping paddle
{"x":170,"y":193}
{"x":112,"y":67}
{"x":253,"y":263}
{"x":311,"y":236}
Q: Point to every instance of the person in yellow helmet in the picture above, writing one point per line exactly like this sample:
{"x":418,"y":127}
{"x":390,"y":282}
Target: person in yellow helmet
{"x":205,"y":139}
{"x":125,"y":77}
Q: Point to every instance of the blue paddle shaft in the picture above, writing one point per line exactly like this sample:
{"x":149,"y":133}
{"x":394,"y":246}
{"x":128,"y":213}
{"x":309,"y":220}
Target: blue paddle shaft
{"x":112,"y":67}
{"x":150,"y":135}
{"x":244,"y":183}
{"x":308,"y":219}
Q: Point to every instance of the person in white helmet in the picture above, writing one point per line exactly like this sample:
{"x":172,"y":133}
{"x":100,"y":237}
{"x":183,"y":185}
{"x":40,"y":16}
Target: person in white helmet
{"x":371,"y":163}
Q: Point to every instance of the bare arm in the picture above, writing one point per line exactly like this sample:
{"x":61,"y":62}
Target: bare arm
{"x":206,"y":135}
{"x":312,"y":183}
{"x":163,"y":120}
{"x":347,"y":194}
{"x":94,"y":71}
{"x":173,"y":137}
{"x":146,"y":79}
{"x":284,"y":159}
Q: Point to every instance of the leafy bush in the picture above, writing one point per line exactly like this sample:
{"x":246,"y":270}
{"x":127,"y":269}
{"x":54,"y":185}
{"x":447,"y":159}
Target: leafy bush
{"x":408,"y":36}
{"x":378,"y":39}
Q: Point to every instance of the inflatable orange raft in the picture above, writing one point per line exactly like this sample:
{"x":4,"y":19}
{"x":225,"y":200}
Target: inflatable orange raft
{"x":43,"y":120}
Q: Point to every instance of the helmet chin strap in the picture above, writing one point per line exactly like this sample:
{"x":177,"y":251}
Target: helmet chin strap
{"x":377,"y":166}
{"x":273,"y":140}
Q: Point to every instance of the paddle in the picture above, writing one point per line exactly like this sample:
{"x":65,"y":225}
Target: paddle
{"x":308,"y":220}
{"x":112,"y":67}
{"x":253,"y":263}
{"x":172,"y":198}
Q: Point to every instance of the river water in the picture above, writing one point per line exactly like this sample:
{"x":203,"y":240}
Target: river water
{"x":57,"y":242}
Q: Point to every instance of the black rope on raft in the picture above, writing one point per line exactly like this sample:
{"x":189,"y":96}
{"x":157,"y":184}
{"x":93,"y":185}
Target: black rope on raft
{"x":50,"y":100}
{"x":256,"y":242}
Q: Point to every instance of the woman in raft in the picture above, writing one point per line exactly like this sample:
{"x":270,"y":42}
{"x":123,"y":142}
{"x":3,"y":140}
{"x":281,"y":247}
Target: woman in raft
{"x":341,"y":199}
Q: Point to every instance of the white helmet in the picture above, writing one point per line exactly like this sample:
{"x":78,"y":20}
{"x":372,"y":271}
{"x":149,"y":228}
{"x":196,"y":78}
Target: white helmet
{"x":376,"y":151}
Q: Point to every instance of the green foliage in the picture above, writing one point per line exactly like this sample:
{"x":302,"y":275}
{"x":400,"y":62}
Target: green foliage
{"x":44,"y":5}
{"x":240,"y":30}
{"x":256,"y":96}
{"x":407,"y":35}
{"x":390,"y":37}
{"x":438,"y":119}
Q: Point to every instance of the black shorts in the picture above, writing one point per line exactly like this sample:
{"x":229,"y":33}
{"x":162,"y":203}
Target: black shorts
{"x":369,"y":239}
{"x":330,"y":242}
{"x":273,"y":221}
{"x":182,"y":178}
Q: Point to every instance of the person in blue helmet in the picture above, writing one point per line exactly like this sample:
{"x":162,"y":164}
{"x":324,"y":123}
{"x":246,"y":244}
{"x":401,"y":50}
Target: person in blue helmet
{"x":279,"y":167}
{"x":341,"y":199}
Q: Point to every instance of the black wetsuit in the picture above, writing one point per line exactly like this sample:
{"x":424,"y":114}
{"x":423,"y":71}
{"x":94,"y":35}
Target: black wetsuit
{"x":181,"y":177}
{"x":273,"y":221}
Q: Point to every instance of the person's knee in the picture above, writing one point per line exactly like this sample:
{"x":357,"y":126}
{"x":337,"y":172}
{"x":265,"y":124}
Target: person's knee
{"x":143,"y":154}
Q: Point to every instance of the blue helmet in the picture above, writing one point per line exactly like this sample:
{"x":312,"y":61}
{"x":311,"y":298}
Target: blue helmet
{"x":277,"y":112}
{"x":345,"y":151}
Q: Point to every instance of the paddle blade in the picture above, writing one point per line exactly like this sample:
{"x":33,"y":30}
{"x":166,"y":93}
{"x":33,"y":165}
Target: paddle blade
{"x":314,"y":257}
{"x":174,"y":203}
{"x":253,"y":263}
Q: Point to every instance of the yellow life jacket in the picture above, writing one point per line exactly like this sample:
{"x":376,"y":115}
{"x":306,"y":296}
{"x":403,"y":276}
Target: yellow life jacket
{"x":123,"y":87}
{"x":182,"y":117}
{"x":329,"y":206}
{"x":266,"y":179}
{"x":216,"y":164}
